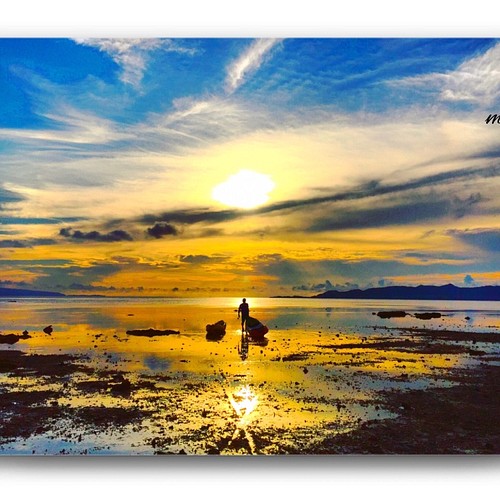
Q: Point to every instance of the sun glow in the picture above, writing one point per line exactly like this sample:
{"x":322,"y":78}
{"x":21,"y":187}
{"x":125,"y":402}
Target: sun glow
{"x":246,"y":189}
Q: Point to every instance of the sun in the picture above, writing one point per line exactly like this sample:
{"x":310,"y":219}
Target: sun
{"x":246,"y":189}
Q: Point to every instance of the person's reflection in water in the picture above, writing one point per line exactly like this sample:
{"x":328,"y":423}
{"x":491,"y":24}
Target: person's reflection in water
{"x":247,"y":340}
{"x":243,"y":346}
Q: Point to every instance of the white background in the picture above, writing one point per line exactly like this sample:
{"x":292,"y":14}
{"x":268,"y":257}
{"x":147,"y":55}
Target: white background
{"x":281,"y":478}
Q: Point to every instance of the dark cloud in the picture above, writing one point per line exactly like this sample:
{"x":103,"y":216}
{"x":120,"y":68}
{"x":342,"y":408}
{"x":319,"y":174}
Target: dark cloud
{"x":38,"y":220}
{"x":405,"y":212}
{"x":318,"y":287}
{"x":7,"y":196}
{"x":161,"y":229}
{"x":206,"y":289}
{"x":12,"y":244}
{"x":15,"y":284}
{"x":64,"y":275}
{"x":485,"y":239}
{"x":26,"y":243}
{"x":433,"y":256}
{"x":35,"y":263}
{"x":289,"y":272}
{"x":192,"y":216}
{"x":111,"y":237}
{"x":80,"y":287}
{"x":376,"y":188}
{"x":90,"y":288}
{"x":296,"y":272}
{"x":199,"y":259}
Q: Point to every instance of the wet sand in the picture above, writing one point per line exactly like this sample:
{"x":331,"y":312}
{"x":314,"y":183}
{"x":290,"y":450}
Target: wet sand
{"x":381,"y":388}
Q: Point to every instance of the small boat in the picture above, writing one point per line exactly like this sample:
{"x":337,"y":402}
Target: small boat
{"x":216,"y":331}
{"x":255,"y":328}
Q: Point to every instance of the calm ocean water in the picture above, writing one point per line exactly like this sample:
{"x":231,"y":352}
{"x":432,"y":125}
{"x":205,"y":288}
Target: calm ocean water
{"x":308,"y":380}
{"x":195,"y":313}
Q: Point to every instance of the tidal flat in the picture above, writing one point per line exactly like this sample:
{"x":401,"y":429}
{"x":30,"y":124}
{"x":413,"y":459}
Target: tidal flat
{"x":330,"y":377}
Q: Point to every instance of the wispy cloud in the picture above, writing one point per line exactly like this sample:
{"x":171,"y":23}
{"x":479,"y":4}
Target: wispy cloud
{"x":133,"y":54}
{"x":28,"y":243}
{"x":72,"y":126}
{"x":476,"y":80}
{"x":7,"y":196}
{"x":248,"y":62}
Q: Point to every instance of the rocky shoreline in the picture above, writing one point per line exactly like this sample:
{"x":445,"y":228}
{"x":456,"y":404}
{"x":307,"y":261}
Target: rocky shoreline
{"x":74,"y":397}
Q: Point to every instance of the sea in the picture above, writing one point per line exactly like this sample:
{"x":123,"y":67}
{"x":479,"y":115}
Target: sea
{"x":322,"y":369}
{"x":193,"y":314}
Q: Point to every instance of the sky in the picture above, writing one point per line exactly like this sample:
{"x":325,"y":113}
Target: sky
{"x":252,"y":167}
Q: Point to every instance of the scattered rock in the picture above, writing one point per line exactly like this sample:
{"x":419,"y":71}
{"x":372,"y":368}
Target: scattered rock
{"x":122,"y":389}
{"x":427,"y":315}
{"x":216,"y":331}
{"x":48,"y":329}
{"x":151,"y":332}
{"x":12,"y":338}
{"x":391,"y":314}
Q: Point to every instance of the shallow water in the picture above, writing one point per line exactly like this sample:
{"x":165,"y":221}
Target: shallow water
{"x":311,"y":377}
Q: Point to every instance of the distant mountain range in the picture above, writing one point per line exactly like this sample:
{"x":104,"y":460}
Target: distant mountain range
{"x":16,"y":292}
{"x":421,"y":292}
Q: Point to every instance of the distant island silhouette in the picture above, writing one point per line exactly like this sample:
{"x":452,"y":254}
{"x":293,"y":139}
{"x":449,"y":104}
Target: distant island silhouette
{"x":421,"y":292}
{"x":18,"y":293}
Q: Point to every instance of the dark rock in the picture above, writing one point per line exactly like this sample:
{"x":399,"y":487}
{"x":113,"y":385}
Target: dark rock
{"x":151,"y":332}
{"x":216,"y":331}
{"x":391,"y":314}
{"x":122,"y":389}
{"x":427,"y":315}
{"x":9,"y":339}
{"x":48,"y":329}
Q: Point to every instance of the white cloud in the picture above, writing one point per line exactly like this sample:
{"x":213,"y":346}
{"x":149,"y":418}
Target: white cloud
{"x":73,"y":126}
{"x":476,"y":80}
{"x":248,"y":62}
{"x":132,"y":54}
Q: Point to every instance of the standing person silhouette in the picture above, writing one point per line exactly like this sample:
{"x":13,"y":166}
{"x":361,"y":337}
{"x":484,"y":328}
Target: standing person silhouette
{"x":245,"y":313}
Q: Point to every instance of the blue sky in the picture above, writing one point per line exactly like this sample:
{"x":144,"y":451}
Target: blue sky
{"x":375,"y":152}
{"x":345,"y":73}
